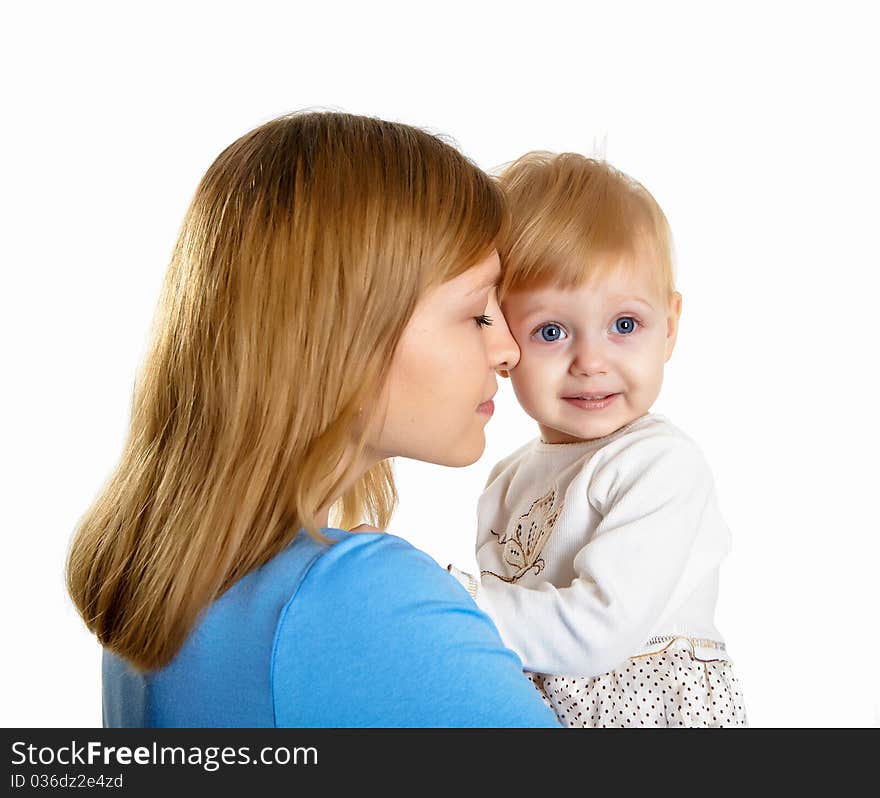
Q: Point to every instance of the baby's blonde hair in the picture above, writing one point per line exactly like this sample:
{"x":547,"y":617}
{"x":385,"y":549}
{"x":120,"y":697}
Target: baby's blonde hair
{"x":298,"y":265}
{"x":574,"y":219}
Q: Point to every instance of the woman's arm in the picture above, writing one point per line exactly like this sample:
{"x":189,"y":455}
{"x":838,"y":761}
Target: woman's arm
{"x":379,"y":635}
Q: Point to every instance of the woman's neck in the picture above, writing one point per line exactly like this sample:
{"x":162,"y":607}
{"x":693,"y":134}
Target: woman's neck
{"x":323,"y":517}
{"x":367,"y":461}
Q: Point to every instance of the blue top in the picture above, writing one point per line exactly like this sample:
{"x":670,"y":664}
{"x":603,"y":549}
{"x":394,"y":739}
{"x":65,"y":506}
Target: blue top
{"x":369,"y":631}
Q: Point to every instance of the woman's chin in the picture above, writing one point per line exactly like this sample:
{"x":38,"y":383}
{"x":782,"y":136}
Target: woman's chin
{"x":465,"y":454}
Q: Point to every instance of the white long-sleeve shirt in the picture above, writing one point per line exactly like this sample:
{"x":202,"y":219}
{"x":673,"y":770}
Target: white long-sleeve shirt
{"x":589,"y":550}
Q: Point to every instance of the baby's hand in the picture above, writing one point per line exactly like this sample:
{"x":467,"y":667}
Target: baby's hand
{"x":365,"y":528}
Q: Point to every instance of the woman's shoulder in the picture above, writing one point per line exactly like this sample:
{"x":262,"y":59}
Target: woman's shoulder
{"x":355,"y":574}
{"x":378,"y":634}
{"x":368,"y":556}
{"x":384,"y":564}
{"x":377,"y":582}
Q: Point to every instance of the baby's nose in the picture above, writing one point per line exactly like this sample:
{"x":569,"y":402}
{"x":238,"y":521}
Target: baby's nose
{"x":590,"y":357}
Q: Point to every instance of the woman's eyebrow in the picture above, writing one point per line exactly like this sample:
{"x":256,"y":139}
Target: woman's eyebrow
{"x":493,"y":283}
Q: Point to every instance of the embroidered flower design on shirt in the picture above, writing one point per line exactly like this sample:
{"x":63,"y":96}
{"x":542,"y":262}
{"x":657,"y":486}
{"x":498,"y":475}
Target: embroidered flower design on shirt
{"x":524,"y":543}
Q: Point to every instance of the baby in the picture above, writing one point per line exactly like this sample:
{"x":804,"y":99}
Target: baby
{"x":599,"y":543}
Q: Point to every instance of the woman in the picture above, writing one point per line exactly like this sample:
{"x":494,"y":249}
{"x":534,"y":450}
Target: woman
{"x":325,"y":309}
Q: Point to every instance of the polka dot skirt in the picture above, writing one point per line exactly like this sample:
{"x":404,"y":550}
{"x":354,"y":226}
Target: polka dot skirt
{"x":667,"y":689}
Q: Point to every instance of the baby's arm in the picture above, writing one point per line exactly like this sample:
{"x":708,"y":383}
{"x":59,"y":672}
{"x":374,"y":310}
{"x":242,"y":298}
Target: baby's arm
{"x":652,"y":496}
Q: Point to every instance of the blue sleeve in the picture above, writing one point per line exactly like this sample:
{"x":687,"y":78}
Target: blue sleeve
{"x":378,"y":634}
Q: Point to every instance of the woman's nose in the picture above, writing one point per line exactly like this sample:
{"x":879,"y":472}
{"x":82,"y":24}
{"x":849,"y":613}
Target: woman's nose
{"x":500,"y":344}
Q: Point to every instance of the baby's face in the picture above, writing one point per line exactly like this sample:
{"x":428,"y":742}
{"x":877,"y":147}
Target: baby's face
{"x":607,"y":339}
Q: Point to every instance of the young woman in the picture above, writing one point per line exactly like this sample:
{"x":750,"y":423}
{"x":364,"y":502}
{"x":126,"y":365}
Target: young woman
{"x":329,"y":305}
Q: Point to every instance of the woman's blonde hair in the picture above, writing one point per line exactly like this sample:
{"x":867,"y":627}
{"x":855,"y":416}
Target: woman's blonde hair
{"x":574,"y":218}
{"x":300,"y":260}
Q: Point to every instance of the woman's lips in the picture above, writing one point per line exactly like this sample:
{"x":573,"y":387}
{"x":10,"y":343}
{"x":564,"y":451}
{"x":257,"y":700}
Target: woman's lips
{"x":487,"y":407}
{"x":592,"y":404}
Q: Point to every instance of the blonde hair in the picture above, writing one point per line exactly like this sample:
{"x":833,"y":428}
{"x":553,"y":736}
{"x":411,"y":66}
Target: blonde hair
{"x":299,"y":262}
{"x":575,"y":218}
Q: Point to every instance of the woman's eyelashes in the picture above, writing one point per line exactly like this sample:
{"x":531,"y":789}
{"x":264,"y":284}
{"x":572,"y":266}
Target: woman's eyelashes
{"x":483,"y":320}
{"x":550,"y":332}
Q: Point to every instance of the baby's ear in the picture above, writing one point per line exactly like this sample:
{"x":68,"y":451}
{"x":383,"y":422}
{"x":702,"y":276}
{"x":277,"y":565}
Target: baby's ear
{"x":672,"y":316}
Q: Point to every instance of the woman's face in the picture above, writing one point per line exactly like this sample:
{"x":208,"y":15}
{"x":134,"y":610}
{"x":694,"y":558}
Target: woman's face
{"x":442,"y":377}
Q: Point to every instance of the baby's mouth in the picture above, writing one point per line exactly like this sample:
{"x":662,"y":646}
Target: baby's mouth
{"x":589,"y":397}
{"x":591,"y":401}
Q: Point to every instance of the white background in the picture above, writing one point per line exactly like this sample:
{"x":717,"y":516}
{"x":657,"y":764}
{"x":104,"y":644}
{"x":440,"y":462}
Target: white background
{"x":754,"y":126}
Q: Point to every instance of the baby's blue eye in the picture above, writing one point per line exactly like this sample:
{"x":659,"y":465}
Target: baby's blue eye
{"x":551,"y":332}
{"x":625,"y":325}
